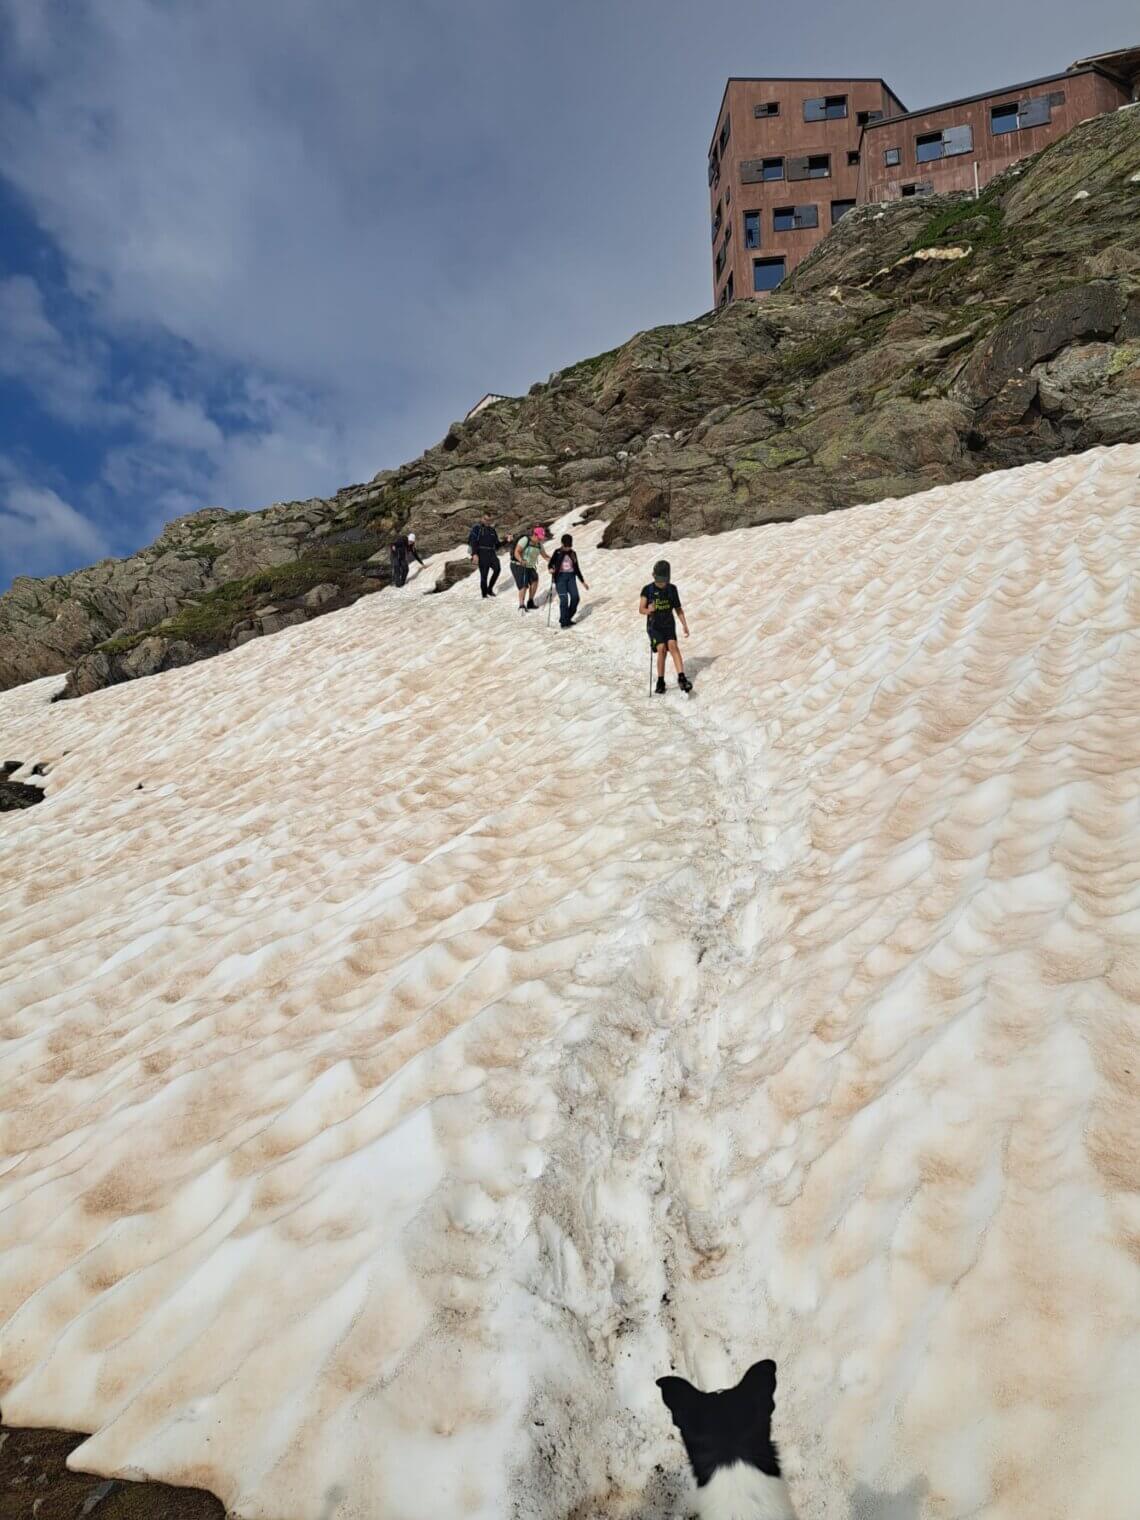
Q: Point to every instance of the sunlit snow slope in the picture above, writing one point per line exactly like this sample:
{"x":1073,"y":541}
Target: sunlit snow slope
{"x":415,"y":1039}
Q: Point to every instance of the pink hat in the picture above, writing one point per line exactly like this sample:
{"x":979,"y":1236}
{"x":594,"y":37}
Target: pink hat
{"x":539,"y":533}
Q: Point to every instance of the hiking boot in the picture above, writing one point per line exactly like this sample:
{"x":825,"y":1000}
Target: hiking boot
{"x":532,"y":606}
{"x":684,"y":683}
{"x":660,"y":687}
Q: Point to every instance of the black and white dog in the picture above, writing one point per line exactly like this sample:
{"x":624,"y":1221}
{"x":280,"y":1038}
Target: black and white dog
{"x":728,"y":1437}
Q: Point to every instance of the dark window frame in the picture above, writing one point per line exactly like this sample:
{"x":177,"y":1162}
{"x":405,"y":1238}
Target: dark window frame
{"x":951,"y":142}
{"x":803,"y":218}
{"x":847,"y":204}
{"x":863,"y":117}
{"x":725,"y":134}
{"x":757,"y":219}
{"x":852,"y":158}
{"x":778,"y":262}
{"x":766,"y":108}
{"x":888,"y":161}
{"x":826,"y":108}
{"x":1037,"y":108}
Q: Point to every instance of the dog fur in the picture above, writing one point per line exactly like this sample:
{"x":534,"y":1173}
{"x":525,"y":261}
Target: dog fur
{"x":728,"y":1438}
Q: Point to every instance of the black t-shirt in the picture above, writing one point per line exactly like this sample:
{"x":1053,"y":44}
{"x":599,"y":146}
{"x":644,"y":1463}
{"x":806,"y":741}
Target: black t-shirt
{"x":663,"y":601}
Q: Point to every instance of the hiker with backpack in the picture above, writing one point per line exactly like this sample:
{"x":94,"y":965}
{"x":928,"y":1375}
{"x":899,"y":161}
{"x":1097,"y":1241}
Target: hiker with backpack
{"x":483,"y":544}
{"x":524,"y":566}
{"x":565,"y":573}
{"x":660,"y":599}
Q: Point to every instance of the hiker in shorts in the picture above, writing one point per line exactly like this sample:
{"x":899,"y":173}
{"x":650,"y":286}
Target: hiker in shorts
{"x":659,"y":601}
{"x":483,"y":544}
{"x":524,"y":566}
{"x":565,"y":573}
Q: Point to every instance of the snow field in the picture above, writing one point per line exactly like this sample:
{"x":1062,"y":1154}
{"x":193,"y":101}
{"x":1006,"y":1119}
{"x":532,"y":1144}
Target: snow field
{"x":448,"y":1040}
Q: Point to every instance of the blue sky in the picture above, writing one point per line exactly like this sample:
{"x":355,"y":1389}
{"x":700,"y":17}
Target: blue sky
{"x":254,"y":250}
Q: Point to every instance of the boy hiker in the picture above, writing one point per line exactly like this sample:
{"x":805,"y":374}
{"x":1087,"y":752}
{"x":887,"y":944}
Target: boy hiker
{"x":484,"y":543}
{"x":659,"y":601}
{"x":403,"y":546}
{"x":566,"y":573}
{"x":524,"y":561}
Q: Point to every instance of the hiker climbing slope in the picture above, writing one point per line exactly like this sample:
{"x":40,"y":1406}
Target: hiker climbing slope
{"x":484,"y":544}
{"x":403,"y":548}
{"x":660,"y":599}
{"x":565,"y":574}
{"x":524,"y":566}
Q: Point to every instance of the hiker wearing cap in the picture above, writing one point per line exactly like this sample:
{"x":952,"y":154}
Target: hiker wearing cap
{"x":403,"y":548}
{"x":659,"y":601}
{"x":524,"y":566}
{"x":565,"y":574}
{"x":484,"y":544}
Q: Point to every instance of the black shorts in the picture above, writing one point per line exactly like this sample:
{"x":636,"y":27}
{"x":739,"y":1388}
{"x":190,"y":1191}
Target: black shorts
{"x":661,"y":632}
{"x":523,"y":576}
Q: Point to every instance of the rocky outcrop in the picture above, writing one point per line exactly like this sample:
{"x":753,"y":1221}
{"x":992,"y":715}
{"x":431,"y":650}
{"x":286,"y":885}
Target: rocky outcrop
{"x":923,"y":341}
{"x":454,"y":571}
{"x":17,"y":794}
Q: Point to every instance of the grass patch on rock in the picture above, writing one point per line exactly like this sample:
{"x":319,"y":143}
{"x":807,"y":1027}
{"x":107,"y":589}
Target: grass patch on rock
{"x":208,"y":621}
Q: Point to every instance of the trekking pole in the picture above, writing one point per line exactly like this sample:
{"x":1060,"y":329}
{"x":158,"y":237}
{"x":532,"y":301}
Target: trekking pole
{"x":652,"y":651}
{"x":549,"y":603}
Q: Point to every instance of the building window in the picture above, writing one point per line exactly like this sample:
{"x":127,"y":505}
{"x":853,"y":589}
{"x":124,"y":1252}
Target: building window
{"x":722,"y":254}
{"x":945,"y":144}
{"x":767,"y":108}
{"x":728,"y":195}
{"x":891,"y":157}
{"x":811,"y":166}
{"x":839,"y":209}
{"x":724,"y":131}
{"x":767,"y":273}
{"x":717,"y":220}
{"x":852,"y":158}
{"x":863,"y":117}
{"x":1018,"y":114}
{"x":728,"y":290}
{"x":752,"y":229}
{"x":826,"y":108}
{"x":714,"y":171}
{"x":755,"y":170}
{"x":793,"y":218}
{"x":919,"y":187}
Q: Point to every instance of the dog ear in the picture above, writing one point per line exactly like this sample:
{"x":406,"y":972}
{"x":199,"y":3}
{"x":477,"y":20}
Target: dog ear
{"x":681,"y":1398}
{"x":759,"y":1385}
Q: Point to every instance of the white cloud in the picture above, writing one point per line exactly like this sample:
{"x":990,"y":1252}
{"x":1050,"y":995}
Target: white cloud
{"x":65,"y":376}
{"x":40,"y":532}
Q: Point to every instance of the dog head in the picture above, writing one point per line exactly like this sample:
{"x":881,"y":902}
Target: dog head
{"x":733,"y":1425}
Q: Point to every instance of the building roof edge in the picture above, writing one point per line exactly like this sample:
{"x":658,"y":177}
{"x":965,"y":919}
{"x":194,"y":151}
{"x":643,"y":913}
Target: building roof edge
{"x":1005,"y":89}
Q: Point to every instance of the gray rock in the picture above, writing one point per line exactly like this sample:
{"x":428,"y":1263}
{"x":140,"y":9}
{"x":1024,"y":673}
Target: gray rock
{"x":15,"y":795}
{"x":454,"y":570}
{"x":1037,"y":331}
{"x":320,"y":595}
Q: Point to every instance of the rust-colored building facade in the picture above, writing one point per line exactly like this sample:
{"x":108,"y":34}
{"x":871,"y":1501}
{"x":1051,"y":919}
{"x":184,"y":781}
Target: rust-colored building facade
{"x":783,"y":168}
{"x":791,"y":156}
